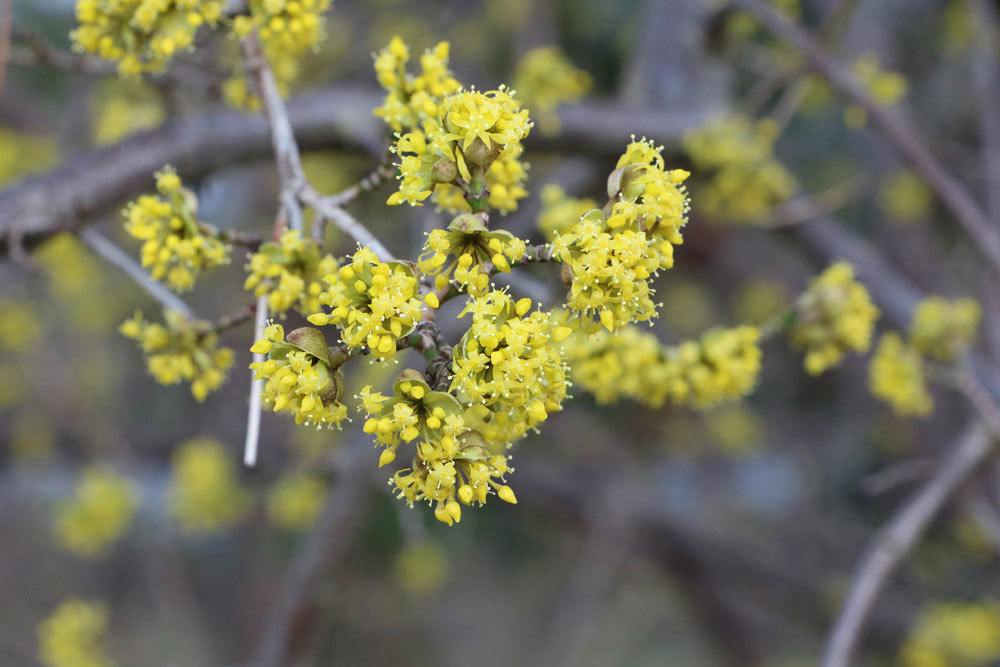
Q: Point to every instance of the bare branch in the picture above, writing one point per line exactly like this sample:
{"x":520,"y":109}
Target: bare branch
{"x":984,"y":235}
{"x":986,"y":80}
{"x":898,"y":537}
{"x":120,"y":259}
{"x":256,"y":388}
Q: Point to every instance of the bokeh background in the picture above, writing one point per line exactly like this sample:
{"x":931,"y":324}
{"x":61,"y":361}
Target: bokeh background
{"x":641,"y":536}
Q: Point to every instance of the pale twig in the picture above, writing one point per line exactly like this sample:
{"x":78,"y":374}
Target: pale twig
{"x":383,"y":170}
{"x":805,"y":208}
{"x":898,"y":537}
{"x":344,"y":221}
{"x":984,"y":235}
{"x":120,"y":259}
{"x":256,"y":389}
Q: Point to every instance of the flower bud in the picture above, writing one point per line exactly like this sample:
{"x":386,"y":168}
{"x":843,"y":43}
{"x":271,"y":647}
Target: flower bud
{"x":444,"y":171}
{"x":479,"y":153}
{"x":311,"y":340}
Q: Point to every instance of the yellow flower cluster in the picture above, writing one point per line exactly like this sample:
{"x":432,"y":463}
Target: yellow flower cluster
{"x":896,"y":375}
{"x":289,"y":272}
{"x":942,"y":329}
{"x":122,"y":107}
{"x":301,"y":376}
{"x":545,"y":78}
{"x":287,"y":29}
{"x":205,"y":494}
{"x":296,"y":500}
{"x":745,"y":179}
{"x":450,"y":465}
{"x":181,"y":350}
{"x":72,"y":635}
{"x":905,"y":197}
{"x":173,"y":245}
{"x":954,"y":634}
{"x":508,"y":367}
{"x":473,"y":249}
{"x":471,"y":148}
{"x":610,"y":257}
{"x":834,"y":316}
{"x":410,"y":100}
{"x":99,"y":513}
{"x":142,"y":35}
{"x":885,"y":87}
{"x":722,"y":365}
{"x":374,"y":303}
{"x":626,"y":364}
{"x":560,"y":211}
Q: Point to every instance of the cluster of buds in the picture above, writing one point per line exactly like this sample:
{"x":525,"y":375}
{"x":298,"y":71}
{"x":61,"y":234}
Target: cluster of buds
{"x":472,"y":250}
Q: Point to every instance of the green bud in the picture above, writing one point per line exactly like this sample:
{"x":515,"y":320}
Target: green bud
{"x":479,"y":153}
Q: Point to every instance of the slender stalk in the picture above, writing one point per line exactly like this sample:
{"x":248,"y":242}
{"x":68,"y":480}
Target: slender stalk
{"x":256,"y":387}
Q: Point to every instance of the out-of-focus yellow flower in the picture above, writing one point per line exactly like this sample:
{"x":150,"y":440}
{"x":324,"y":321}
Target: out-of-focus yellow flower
{"x":141,"y":35}
{"x":100,"y":511}
{"x":885,"y":87}
{"x":181,"y":351}
{"x":905,"y":197}
{"x":745,"y":180}
{"x":84,"y":291}
{"x":943,"y":329}
{"x":834,"y":316}
{"x":720,"y":366}
{"x":896,"y":375}
{"x":954,"y":634}
{"x":545,"y":79}
{"x":72,"y":636}
{"x":296,"y":501}
{"x":421,"y":567}
{"x":22,"y":154}
{"x":124,"y":107}
{"x":20,"y":328}
{"x":205,"y":493}
{"x":560,"y":211}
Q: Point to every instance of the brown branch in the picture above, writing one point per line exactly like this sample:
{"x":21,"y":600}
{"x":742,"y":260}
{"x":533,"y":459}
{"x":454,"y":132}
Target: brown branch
{"x":898,"y":538}
{"x":338,"y":118}
{"x":984,"y":235}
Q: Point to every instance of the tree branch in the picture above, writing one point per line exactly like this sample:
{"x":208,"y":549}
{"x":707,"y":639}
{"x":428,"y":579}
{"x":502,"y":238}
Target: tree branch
{"x":984,"y":235}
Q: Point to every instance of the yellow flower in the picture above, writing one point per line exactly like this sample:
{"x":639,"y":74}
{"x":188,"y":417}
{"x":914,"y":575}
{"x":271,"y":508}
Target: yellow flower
{"x":885,"y":87}
{"x":20,"y":328}
{"x":473,"y":249}
{"x":896,"y":375}
{"x":302,"y":376}
{"x":508,"y":367}
{"x":722,"y":365}
{"x":181,"y":350}
{"x":560,"y":212}
{"x":834,"y":316}
{"x":289,"y":273}
{"x":905,"y":197}
{"x":22,"y":154}
{"x":174,"y":247}
{"x":943,"y":329}
{"x":142,"y":35}
{"x":205,"y":495}
{"x":374,"y":303}
{"x":545,"y":78}
{"x":744,"y":179}
{"x":628,"y":363}
{"x":296,"y":500}
{"x":73,"y":634}
{"x":99,"y":513}
{"x":409,"y":99}
{"x":954,"y":634}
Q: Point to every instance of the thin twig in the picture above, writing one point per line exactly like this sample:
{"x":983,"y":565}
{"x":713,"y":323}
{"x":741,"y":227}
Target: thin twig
{"x":256,"y":389}
{"x":117,"y":257}
{"x":898,"y":537}
{"x":35,"y":51}
{"x":986,"y":81}
{"x":346,"y":222}
{"x":382,"y":172}
{"x":984,"y":235}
